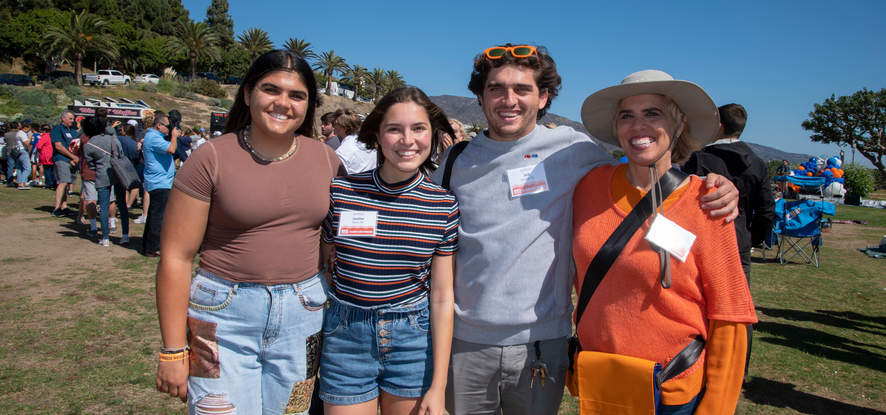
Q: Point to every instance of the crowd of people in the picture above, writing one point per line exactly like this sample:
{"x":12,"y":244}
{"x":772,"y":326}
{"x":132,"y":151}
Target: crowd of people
{"x":54,"y":157}
{"x":380,"y":266}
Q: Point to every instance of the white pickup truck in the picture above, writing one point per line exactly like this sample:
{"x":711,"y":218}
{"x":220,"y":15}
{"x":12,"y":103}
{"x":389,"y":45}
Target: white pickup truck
{"x":107,"y":77}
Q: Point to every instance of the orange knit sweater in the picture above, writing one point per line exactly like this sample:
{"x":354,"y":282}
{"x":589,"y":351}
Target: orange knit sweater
{"x":631,"y":314}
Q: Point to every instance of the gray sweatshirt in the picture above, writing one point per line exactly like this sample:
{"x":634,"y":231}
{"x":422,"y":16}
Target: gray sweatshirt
{"x":514,"y":267}
{"x":100,"y":161}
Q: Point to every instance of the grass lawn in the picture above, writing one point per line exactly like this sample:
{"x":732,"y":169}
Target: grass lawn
{"x":81,"y":336}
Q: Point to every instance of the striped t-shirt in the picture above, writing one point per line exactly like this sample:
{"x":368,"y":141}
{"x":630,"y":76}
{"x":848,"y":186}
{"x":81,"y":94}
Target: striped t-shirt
{"x":416,"y":220}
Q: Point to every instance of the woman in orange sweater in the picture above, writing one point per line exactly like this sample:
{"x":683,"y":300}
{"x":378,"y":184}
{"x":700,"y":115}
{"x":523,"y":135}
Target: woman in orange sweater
{"x":656,"y":298}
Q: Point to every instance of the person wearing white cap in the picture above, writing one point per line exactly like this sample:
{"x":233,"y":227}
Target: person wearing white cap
{"x":674,"y":286}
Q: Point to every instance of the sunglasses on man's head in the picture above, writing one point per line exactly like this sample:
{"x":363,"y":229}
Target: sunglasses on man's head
{"x":521,"y":51}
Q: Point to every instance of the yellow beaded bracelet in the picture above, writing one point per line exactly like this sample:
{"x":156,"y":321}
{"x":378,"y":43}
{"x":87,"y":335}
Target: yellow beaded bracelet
{"x":174,"y":357}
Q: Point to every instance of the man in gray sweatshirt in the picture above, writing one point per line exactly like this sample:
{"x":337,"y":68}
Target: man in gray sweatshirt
{"x":514,"y":268}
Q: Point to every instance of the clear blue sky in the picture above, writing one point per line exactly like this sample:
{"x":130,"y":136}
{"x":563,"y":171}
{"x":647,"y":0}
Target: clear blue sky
{"x":777,"y":58}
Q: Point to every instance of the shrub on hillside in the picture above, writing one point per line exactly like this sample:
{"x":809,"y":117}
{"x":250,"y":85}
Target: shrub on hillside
{"x":8,"y":91}
{"x":73,"y":92}
{"x":182,"y":91}
{"x":63,"y":82}
{"x":220,"y":102}
{"x":36,"y":97}
{"x":166,"y":85}
{"x":40,"y":114}
{"x":209,"y":88}
{"x":148,"y":87}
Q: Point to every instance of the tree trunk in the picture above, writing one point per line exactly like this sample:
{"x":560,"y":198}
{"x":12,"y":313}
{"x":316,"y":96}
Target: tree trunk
{"x":78,"y":68}
{"x":193,"y":66}
{"x":328,"y":83}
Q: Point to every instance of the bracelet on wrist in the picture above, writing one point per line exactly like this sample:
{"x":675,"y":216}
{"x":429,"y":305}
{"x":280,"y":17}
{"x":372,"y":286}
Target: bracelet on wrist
{"x":174,"y":357}
{"x":170,"y":354}
{"x":174,"y":350}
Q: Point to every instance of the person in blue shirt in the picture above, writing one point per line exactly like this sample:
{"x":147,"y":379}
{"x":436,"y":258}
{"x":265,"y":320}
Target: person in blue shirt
{"x":64,"y":160}
{"x":158,"y":147}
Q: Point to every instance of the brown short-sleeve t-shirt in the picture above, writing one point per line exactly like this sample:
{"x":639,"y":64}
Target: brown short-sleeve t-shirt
{"x":264,"y":218}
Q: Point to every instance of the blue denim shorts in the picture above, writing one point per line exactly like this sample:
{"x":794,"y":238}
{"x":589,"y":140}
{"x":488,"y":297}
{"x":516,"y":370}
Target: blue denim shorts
{"x":365,"y":350}
{"x":255,"y":348}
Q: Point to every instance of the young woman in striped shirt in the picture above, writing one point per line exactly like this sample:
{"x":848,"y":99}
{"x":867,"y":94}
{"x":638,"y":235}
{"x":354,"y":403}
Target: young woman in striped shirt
{"x":390,"y":239}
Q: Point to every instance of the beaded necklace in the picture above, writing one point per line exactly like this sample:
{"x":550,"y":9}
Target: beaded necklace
{"x":255,"y":154}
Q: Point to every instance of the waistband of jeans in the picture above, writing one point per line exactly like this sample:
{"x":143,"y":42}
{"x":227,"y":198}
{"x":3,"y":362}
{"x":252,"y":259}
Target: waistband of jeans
{"x":315,"y":279}
{"x":336,"y":303}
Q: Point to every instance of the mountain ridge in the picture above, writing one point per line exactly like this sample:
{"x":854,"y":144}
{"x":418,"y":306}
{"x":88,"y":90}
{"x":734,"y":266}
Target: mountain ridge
{"x":468,"y":111}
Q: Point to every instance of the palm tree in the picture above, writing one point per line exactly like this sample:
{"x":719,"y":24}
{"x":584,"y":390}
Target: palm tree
{"x":357,"y":75}
{"x":393,"y":80}
{"x":300,"y":47}
{"x":197,"y":40}
{"x":377,"y":79}
{"x":83,"y":33}
{"x":329,"y":64}
{"x":256,"y":41}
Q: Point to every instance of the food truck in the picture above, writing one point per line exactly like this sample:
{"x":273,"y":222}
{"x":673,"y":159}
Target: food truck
{"x":120,"y":109}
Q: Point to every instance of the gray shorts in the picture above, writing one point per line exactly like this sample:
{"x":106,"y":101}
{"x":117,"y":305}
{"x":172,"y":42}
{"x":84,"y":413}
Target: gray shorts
{"x":89,"y":193}
{"x":497,"y":379}
{"x":64,"y":172}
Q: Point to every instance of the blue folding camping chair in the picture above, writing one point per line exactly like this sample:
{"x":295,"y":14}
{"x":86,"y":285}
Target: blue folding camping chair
{"x":798,"y":229}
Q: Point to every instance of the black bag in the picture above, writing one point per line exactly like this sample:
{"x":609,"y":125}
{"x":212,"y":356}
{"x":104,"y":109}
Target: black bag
{"x":124,"y":172}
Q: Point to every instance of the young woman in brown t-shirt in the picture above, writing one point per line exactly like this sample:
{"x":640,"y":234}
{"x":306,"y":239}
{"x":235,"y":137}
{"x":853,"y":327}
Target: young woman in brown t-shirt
{"x":247,"y":337}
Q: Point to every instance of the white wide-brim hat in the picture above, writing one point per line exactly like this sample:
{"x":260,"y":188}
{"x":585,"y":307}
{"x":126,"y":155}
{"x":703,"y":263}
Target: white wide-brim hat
{"x":702,"y":115}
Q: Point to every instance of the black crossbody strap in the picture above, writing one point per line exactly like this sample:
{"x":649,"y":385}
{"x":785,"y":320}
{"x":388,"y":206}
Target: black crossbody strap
{"x":599,"y":266}
{"x":682,"y":361}
{"x":454,"y":151}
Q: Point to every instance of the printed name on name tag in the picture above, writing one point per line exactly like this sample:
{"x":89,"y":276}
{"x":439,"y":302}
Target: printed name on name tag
{"x":527,"y":180}
{"x":353,"y":223}
{"x":670,"y":237}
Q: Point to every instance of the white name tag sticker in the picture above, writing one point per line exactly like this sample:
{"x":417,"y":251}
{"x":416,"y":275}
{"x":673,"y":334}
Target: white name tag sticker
{"x":670,"y":237}
{"x":527,"y":180}
{"x":353,"y":223}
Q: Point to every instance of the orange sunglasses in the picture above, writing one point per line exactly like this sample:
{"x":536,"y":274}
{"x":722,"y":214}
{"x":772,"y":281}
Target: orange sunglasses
{"x":521,"y":51}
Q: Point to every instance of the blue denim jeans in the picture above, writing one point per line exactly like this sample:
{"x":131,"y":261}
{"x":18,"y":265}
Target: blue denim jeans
{"x":49,"y":176}
{"x":104,"y":204}
{"x":255,"y":348}
{"x":687,"y":408}
{"x":120,"y":195}
{"x":20,"y":162}
{"x":370,"y":349}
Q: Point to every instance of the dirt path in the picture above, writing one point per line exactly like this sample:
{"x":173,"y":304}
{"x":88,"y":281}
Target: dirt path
{"x":37,"y":247}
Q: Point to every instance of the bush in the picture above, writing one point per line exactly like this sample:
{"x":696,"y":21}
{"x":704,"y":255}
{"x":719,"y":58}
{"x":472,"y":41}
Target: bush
{"x":209,"y":88}
{"x":40,"y":114}
{"x":167,"y":85}
{"x":220,"y":102}
{"x":183,"y":91}
{"x":9,"y":91}
{"x":73,"y":92}
{"x":35,"y":97}
{"x":148,"y":87}
{"x":63,"y":82}
{"x":858,"y":180}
